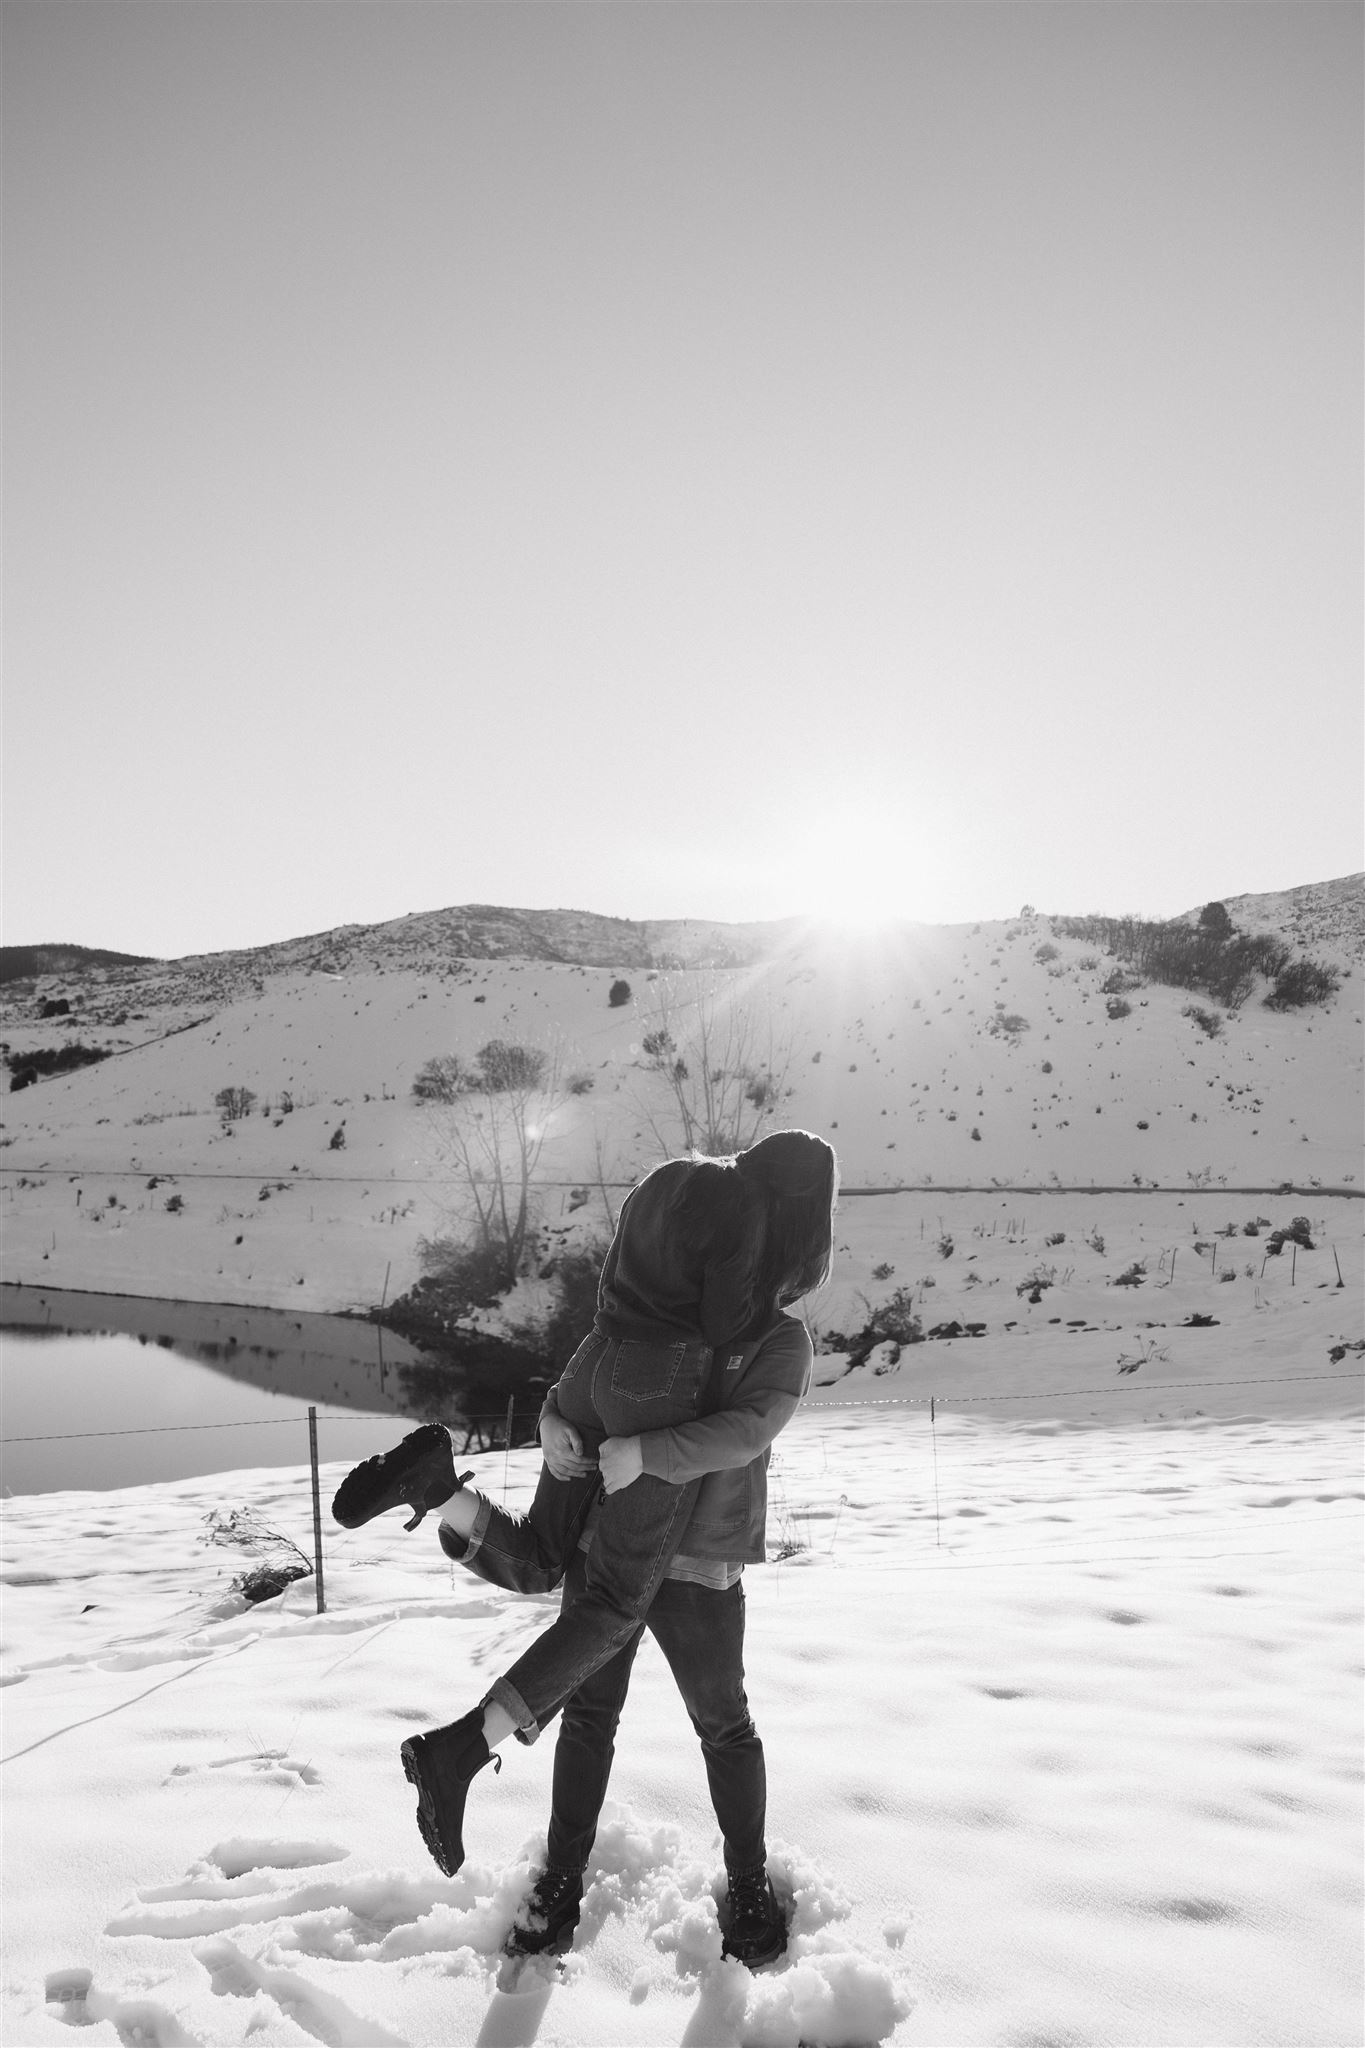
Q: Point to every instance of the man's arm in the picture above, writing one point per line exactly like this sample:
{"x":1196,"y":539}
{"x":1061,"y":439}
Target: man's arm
{"x":562,"y":1444}
{"x":763,"y":1403}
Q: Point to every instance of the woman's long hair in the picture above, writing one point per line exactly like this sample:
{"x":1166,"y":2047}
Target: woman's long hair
{"x":775,"y":1203}
{"x":798,"y":1175}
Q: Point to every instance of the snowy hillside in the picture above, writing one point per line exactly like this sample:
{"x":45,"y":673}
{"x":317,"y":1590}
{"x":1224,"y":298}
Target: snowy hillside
{"x":990,"y":1056}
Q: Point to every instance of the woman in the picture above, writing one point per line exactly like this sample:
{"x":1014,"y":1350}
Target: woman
{"x":667,"y":1409}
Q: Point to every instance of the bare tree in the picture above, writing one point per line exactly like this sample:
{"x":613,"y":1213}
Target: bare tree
{"x":603,"y":1167}
{"x":723,"y":1061}
{"x":489,"y":1133}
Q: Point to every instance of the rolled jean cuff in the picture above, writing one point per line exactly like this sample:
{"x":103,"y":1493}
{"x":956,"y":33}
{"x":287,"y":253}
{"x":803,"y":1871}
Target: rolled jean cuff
{"x":501,"y":1694}
{"x":462,"y":1548}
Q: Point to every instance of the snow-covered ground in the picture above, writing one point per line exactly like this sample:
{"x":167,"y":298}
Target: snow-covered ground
{"x":1061,"y":1714}
{"x":1058,"y":1660}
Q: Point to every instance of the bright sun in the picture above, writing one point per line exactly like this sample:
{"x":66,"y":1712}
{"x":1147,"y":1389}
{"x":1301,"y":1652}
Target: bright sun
{"x":865,"y":873}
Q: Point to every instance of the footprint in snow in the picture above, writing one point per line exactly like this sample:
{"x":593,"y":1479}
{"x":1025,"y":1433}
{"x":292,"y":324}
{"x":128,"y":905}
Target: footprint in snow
{"x":138,"y":1660}
{"x":320,"y":2013}
{"x":72,"y":1997}
{"x":272,"y":1766}
{"x":292,"y":1901}
{"x":228,"y":1863}
{"x":287,"y":1886}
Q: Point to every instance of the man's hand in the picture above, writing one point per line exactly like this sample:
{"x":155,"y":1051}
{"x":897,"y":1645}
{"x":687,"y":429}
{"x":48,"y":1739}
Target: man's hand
{"x":621,"y":1460}
{"x":563,"y":1447}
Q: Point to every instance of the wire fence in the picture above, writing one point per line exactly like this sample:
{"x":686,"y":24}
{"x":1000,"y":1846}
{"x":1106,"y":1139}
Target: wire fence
{"x":1028,"y":1557}
{"x":507,"y":1416}
{"x":855,"y":1190}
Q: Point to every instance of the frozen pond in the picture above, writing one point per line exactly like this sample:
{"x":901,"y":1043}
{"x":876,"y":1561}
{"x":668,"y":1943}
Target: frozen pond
{"x":117,"y":1390}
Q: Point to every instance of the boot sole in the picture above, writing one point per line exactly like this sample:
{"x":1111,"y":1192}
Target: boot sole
{"x":769,"y":1956}
{"x":755,"y":1963}
{"x":365,"y":1493}
{"x":426,"y":1814}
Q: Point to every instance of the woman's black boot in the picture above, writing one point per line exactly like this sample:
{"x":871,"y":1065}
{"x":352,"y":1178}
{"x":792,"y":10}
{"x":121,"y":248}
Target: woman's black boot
{"x":418,"y":1473}
{"x":442,"y":1766}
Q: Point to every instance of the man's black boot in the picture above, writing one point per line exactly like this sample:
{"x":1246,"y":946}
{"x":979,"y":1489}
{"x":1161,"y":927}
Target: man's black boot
{"x":752,"y":1922}
{"x":547,"y":1916}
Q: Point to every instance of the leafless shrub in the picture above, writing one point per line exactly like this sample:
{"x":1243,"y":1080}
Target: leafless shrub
{"x":722,"y":1060}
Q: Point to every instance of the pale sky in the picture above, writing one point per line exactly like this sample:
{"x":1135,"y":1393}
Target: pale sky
{"x":715,"y":460}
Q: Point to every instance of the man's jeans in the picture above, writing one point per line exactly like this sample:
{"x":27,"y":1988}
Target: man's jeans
{"x":612,"y":1386}
{"x":701,"y":1633}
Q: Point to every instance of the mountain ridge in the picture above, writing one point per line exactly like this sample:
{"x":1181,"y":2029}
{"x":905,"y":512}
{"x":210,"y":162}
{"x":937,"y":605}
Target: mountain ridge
{"x":1330,"y":913}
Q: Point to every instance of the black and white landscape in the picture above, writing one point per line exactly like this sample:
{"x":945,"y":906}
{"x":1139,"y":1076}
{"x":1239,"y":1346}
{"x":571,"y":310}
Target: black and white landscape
{"x":1066,"y":1658}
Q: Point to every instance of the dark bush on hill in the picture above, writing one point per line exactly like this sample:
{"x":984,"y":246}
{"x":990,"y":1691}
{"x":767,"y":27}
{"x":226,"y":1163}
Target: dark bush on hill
{"x":1007,"y":1025}
{"x":234,"y":1102}
{"x":442,"y":1079}
{"x":1234,"y":968}
{"x":893,"y":1320}
{"x":1299,"y":1231}
{"x":498,"y":1069}
{"x":43,"y":1061}
{"x":1214,"y":918}
{"x":1300,"y":983}
{"x":1225,"y":963}
{"x":504,"y":1067}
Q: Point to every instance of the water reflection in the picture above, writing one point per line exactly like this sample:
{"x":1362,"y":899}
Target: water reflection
{"x":144,"y":1389}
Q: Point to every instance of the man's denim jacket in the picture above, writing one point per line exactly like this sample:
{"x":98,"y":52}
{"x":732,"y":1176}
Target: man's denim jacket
{"x":758,"y":1387}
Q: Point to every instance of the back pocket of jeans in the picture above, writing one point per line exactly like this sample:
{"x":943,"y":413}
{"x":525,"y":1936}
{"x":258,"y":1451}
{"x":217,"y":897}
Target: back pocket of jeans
{"x":646,"y":1372}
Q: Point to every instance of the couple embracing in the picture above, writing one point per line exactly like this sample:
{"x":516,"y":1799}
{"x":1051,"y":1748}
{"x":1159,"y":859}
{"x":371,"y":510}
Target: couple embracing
{"x":650,"y":1503}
